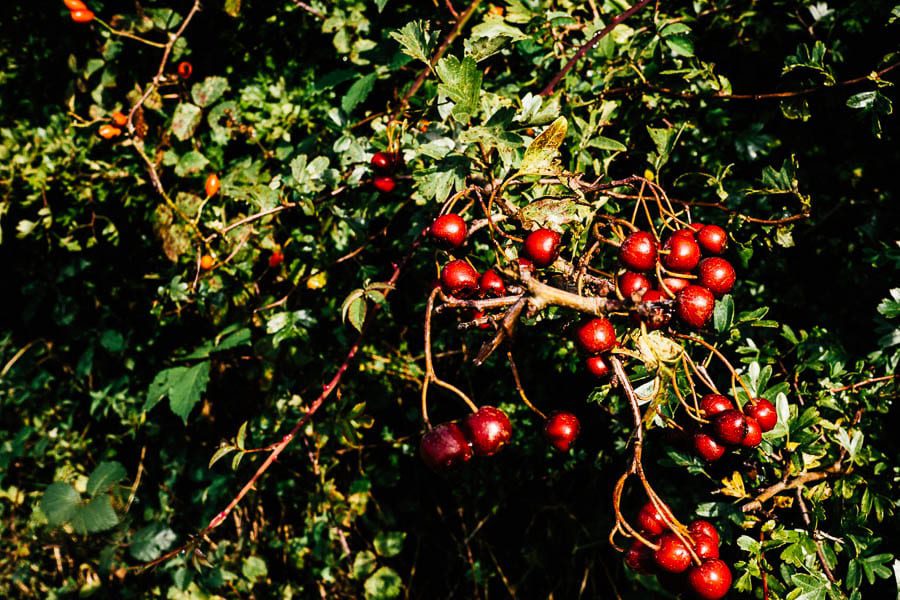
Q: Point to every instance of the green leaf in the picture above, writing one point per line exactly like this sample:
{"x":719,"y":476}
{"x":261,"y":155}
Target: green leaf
{"x":723,"y":314}
{"x":363,"y":564}
{"x":106,"y":475}
{"x":150,"y":542}
{"x":461,"y":83}
{"x":890,"y":307}
{"x":209,"y":90}
{"x":191,"y":163}
{"x":358,"y":92}
{"x":389,"y":543}
{"x":254,"y":568}
{"x":222,"y":451}
{"x":356,"y":313}
{"x":59,"y":502}
{"x":490,"y":37}
{"x":185,"y":388}
{"x":540,"y":156}
{"x":416,"y":41}
{"x":184,"y":122}
{"x":384,"y":584}
{"x":95,"y":516}
{"x":862,"y":100}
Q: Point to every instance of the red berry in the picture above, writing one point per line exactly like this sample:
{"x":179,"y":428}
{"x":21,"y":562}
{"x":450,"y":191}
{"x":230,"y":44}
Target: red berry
{"x":384,"y":161}
{"x":694,"y":305}
{"x":207,"y":262}
{"x":730,"y":426}
{"x":598,"y":367}
{"x":638,"y":251}
{"x":212,"y":185}
{"x":276,"y":258}
{"x":704,"y":528}
{"x":675,"y":284}
{"x":383,"y":183}
{"x":459,"y":278}
{"x":444,"y":447}
{"x":711,"y":580}
{"x":639,"y":557}
{"x":449,"y":229}
{"x":707,"y":447}
{"x":542,"y":247}
{"x":596,"y":336}
{"x":697,"y":227}
{"x":75,"y":4}
{"x":764,"y":412}
{"x":673,"y":554}
{"x":525,"y":265}
{"x":491,"y":284}
{"x":82,"y":16}
{"x":653,"y":296}
{"x":684,"y":253}
{"x":717,"y":275}
{"x":651,"y":520}
{"x":488,"y":430}
{"x":706,"y":547}
{"x":561,"y":430}
{"x":688,"y":232}
{"x":753,"y":436}
{"x":712,"y":239}
{"x":713,"y":404}
{"x":631,"y":283}
{"x":185,"y":69}
{"x":475,"y":315}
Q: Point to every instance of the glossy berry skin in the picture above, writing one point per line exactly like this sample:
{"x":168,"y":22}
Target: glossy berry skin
{"x":694,"y":305}
{"x":672,"y":555}
{"x":711,"y":580}
{"x":638,"y":251}
{"x":753,"y":436}
{"x":119,"y":119}
{"x":596,"y":336}
{"x":82,"y":16}
{"x":384,"y":184}
{"x":705,"y":547}
{"x":639,"y":557}
{"x":730,"y":426}
{"x":542,"y":247}
{"x":712,"y":239}
{"x":631,"y":283}
{"x":458,"y":278}
{"x":688,"y":232}
{"x":598,"y":367}
{"x":75,"y":5}
{"x":207,"y":262}
{"x":707,"y":447}
{"x":383,"y":162}
{"x":696,"y":227}
{"x":561,"y":430}
{"x":653,"y":296}
{"x":675,"y":284}
{"x":764,"y":412}
{"x":212,"y":185}
{"x":684,"y":253}
{"x":704,"y":528}
{"x":490,"y":284}
{"x":449,"y":229}
{"x":717,"y":275}
{"x":109,"y":131}
{"x":185,"y":69}
{"x":651,"y":520}
{"x":713,"y":404}
{"x":444,"y":447}
{"x":488,"y":430}
{"x":275,"y":259}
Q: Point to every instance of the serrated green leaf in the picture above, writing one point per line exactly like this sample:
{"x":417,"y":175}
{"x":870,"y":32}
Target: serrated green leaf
{"x":95,"y":516}
{"x":59,"y":502}
{"x":540,"y":156}
{"x":222,"y":451}
{"x":461,"y":83}
{"x":186,"y":387}
{"x":389,"y":543}
{"x":104,"y":476}
{"x":209,"y":90}
{"x":416,"y":40}
{"x":383,"y":584}
{"x":184,"y":122}
{"x":150,"y":542}
{"x":358,"y":92}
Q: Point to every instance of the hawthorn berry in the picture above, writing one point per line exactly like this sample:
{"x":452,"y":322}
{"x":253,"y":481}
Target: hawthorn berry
{"x":704,"y":528}
{"x":764,"y":412}
{"x":488,"y":430}
{"x":276,"y":258}
{"x":444,"y":447}
{"x":212,"y":185}
{"x":653,"y":296}
{"x":711,"y":580}
{"x":491,"y":284}
{"x":631,"y":283}
{"x":730,"y":426}
{"x":706,"y":547}
{"x":717,"y":275}
{"x":207,"y":262}
{"x":712,"y":239}
{"x":651,"y":520}
{"x":674,"y":284}
{"x":683,"y":253}
{"x":385,"y":184}
{"x":713,"y":404}
{"x":185,"y":69}
{"x":542,"y":246}
{"x":596,"y":336}
{"x":694,"y":305}
{"x":673,"y":554}
{"x":479,"y":314}
{"x":598,"y":367}
{"x":383,"y":162}
{"x":449,"y":229}
{"x":561,"y":430}
{"x":459,"y":278}
{"x":82,"y":16}
{"x":753,"y":435}
{"x":707,"y":447}
{"x":638,"y":251}
{"x":639,"y":557}
{"x":696,"y":227}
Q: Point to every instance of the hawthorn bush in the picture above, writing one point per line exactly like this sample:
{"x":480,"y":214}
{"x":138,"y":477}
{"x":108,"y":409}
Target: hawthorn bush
{"x":229,"y":317}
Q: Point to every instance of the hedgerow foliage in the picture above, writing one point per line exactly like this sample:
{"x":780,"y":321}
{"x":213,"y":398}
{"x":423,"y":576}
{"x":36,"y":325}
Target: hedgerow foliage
{"x":140,"y":392}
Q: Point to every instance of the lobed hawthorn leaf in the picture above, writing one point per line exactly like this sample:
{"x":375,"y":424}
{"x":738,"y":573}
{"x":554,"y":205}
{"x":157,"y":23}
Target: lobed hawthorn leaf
{"x":461,"y":84}
{"x":416,"y":40}
{"x":540,"y":156}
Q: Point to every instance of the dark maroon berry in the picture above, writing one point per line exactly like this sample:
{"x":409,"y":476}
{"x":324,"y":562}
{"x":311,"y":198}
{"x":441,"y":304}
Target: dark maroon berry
{"x":730,"y":426}
{"x":638,"y":251}
{"x":673,"y":554}
{"x":639,"y":557}
{"x":704,"y":528}
{"x":598,"y":367}
{"x":713,"y":404}
{"x":675,"y":284}
{"x":444,"y":447}
{"x":561,"y":430}
{"x":707,"y":447}
{"x":651,"y":520}
{"x":449,"y":229}
{"x":491,"y":284}
{"x":384,"y":183}
{"x":764,"y":412}
{"x":459,"y":278}
{"x":596,"y":336}
{"x":383,"y":162}
{"x":631,"y":283}
{"x":684,"y":253}
{"x":753,"y":436}
{"x":488,"y":430}
{"x":711,"y":580}
{"x":706,"y":547}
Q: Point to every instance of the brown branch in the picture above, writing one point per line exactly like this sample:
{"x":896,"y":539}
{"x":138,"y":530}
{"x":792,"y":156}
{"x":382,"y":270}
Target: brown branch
{"x":863,"y":383}
{"x":590,"y":44}
{"x":804,"y":512}
{"x":800,"y":480}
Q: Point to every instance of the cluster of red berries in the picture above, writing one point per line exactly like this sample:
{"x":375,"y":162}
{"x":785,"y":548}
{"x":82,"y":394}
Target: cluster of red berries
{"x":709,"y":580}
{"x":80,"y":13}
{"x":731,"y":427}
{"x":482,"y":433}
{"x":384,"y":164}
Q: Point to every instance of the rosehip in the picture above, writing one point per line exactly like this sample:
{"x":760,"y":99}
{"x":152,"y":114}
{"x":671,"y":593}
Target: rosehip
{"x":763,"y":411}
{"x":638,"y":251}
{"x":542,"y":247}
{"x":488,"y":430}
{"x":212,"y":185}
{"x":673,"y":554}
{"x":717,"y":275}
{"x":475,"y":315}
{"x":696,"y":227}
{"x":694,"y":305}
{"x":713,"y":404}
{"x":82,"y":16}
{"x":385,"y":184}
{"x":598,"y":367}
{"x":653,"y":296}
{"x":596,"y":336}
{"x":730,"y":426}
{"x":711,"y":580}
{"x":707,"y":447}
{"x":561,"y":430}
{"x":458,"y":278}
{"x":108,"y":131}
{"x":75,"y":4}
{"x":449,"y":229}
{"x":491,"y":284}
{"x":631,"y":283}
{"x":525,"y":265}
{"x":704,"y":528}
{"x":444,"y":447}
{"x":651,"y":520}
{"x":753,"y":436}
{"x":684,"y":253}
{"x":119,"y":119}
{"x":712,"y":239}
